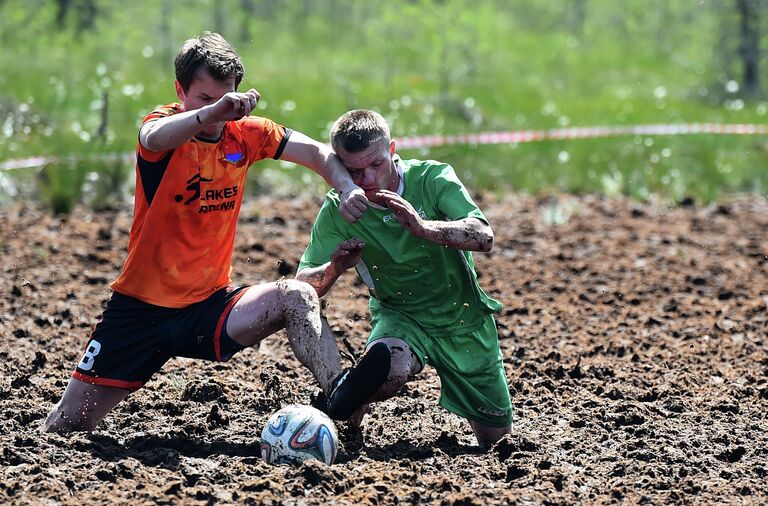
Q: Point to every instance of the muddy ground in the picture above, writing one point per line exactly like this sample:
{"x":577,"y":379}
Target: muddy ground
{"x":634,"y":338}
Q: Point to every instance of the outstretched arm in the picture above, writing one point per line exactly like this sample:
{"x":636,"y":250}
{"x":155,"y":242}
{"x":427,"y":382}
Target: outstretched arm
{"x":322,"y":278}
{"x":172,"y":131}
{"x":471,"y":234}
{"x":320,"y":158}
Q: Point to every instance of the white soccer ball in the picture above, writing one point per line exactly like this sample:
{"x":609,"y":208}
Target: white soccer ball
{"x":297,"y":433}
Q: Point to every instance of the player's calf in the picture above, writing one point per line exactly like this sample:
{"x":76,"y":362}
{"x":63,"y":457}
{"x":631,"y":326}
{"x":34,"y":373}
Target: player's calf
{"x":82,"y":407}
{"x":60,"y":421}
{"x":487,"y":435}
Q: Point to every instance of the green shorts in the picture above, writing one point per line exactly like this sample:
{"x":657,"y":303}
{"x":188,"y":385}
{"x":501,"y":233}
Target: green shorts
{"x":472,"y":380}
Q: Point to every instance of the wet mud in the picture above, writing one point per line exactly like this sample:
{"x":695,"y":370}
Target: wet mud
{"x":634,"y":338}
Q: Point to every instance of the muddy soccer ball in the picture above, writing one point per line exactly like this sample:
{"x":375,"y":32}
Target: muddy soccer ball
{"x":297,"y":433}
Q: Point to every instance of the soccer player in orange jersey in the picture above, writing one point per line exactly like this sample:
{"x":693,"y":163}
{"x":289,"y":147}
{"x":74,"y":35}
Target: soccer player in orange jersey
{"x":174,"y":296}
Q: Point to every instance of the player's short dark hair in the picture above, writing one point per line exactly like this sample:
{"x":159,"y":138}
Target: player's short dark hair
{"x":356,"y":130}
{"x":212,"y":53}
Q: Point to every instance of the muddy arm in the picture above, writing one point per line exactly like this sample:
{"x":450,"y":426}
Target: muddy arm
{"x":346,"y":256}
{"x":470,"y":234}
{"x":321,"y":278}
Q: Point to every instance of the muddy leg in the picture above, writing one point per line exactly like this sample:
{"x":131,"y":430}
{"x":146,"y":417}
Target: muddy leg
{"x":487,"y":435}
{"x":294,"y":306}
{"x":82,"y":407}
{"x":404,"y":363}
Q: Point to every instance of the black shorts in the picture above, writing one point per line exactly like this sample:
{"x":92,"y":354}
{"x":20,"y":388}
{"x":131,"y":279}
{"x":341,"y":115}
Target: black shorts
{"x":134,"y":339}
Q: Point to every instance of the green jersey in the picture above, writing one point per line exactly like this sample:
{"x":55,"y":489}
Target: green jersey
{"x":435,"y":285}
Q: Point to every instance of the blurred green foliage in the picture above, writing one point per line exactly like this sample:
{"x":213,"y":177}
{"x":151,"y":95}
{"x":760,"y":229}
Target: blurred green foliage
{"x":61,"y":186}
{"x":79,"y":75}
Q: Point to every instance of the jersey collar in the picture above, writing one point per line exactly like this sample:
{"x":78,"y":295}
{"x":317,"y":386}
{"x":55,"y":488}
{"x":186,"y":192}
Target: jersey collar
{"x":399,"y":166}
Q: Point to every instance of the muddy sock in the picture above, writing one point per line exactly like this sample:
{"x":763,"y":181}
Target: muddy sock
{"x":359,"y":383}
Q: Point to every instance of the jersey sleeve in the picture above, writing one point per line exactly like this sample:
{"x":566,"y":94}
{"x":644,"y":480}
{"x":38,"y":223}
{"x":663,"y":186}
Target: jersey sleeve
{"x":326,"y":235}
{"x":264,"y":138}
{"x":160,"y":112}
{"x":453,"y":199}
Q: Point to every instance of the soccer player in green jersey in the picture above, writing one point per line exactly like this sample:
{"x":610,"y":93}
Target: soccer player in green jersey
{"x":412,"y":248}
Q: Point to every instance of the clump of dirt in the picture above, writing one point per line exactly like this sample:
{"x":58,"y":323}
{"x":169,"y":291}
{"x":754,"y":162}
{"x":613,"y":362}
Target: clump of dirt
{"x":633,"y":337}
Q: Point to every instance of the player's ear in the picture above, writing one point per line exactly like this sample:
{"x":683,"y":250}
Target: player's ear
{"x":180,"y":90}
{"x":392,"y":147}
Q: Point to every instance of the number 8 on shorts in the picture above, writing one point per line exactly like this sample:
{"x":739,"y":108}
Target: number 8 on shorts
{"x":94,"y":347}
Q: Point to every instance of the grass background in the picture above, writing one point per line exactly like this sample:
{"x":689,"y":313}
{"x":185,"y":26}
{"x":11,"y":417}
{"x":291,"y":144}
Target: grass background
{"x":431,"y":67}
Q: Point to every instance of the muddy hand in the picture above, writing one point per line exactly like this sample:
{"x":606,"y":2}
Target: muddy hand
{"x":405,"y":213}
{"x":347,"y":254}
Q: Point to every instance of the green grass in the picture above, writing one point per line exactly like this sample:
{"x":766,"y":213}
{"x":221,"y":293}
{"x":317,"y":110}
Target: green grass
{"x":430,"y":67}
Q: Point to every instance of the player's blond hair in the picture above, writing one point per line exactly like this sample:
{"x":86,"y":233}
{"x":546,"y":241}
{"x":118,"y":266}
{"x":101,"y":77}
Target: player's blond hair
{"x":356,"y":130}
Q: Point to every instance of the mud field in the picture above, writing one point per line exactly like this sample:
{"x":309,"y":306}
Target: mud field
{"x":634,"y":338}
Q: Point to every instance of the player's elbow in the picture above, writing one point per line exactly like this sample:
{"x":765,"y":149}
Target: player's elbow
{"x":148,"y":139}
{"x":150,"y":146}
{"x":486,"y":241}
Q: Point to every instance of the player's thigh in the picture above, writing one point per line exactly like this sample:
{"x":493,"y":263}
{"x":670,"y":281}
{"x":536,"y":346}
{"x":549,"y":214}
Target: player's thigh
{"x":407,"y":341}
{"x":129,"y":344}
{"x":260,"y":310}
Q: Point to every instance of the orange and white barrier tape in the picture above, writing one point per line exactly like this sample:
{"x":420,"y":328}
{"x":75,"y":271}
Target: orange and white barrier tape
{"x":514,"y":137}
{"x":509,"y":137}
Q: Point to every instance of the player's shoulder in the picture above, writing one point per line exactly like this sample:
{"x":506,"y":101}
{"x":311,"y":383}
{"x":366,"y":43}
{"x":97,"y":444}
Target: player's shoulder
{"x":430,"y":169}
{"x":329,"y":210}
{"x":332,"y":199}
{"x":254,"y":123}
{"x":172,"y":108}
{"x":164,"y":110}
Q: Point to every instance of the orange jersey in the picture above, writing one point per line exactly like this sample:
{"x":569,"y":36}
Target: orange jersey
{"x":186,"y":208}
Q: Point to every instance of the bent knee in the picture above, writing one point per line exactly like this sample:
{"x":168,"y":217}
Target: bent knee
{"x":400,"y":369}
{"x":293,"y":291}
{"x":404,"y":362}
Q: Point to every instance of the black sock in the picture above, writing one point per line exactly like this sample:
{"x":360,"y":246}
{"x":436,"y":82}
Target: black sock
{"x":361,"y":382}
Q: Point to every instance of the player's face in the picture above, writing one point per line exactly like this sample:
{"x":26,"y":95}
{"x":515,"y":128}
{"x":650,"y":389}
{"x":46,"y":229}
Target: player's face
{"x":205,"y":90}
{"x":373,"y":168}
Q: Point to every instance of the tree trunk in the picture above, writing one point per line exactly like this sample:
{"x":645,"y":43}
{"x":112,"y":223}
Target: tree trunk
{"x":577,"y":14}
{"x":101,"y":132}
{"x":167,"y":49}
{"x":61,"y":12}
{"x":749,"y":47}
{"x":247,"y":12}
{"x":218,"y":18}
{"x":85,"y":12}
